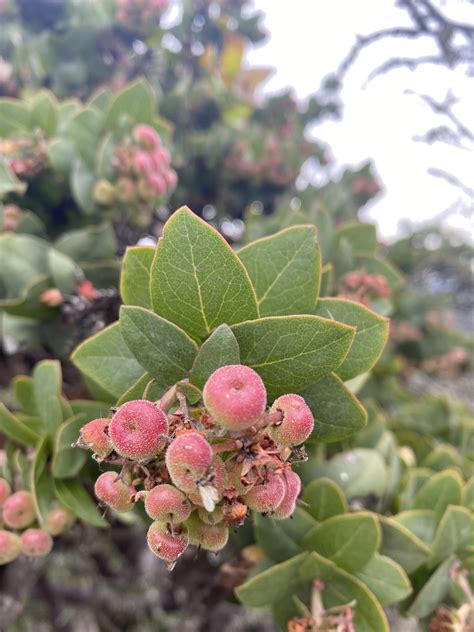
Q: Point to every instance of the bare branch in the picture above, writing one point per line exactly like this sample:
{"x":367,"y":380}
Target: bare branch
{"x":445,"y":175}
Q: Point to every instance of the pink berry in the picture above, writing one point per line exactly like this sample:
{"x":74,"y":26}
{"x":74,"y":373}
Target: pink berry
{"x":166,"y":544}
{"x":5,"y":491}
{"x":36,"y":542}
{"x":10,"y":546}
{"x":59,"y":520}
{"x":171,"y":179}
{"x":213,"y":485}
{"x":143,"y":163}
{"x":189,"y":461}
{"x":112,"y":491}
{"x":265,"y":497}
{"x":146,"y":136}
{"x":157,"y":182}
{"x":297,"y":423}
{"x":235,"y":396}
{"x":210,"y":537}
{"x":95,"y":436}
{"x":165,"y":503}
{"x":19,"y":510}
{"x":287,"y":506}
{"x":137,"y":430}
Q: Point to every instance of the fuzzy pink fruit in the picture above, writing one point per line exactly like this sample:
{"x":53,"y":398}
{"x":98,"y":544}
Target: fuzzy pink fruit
{"x":5,"y":491}
{"x":19,"y":510}
{"x":235,"y":396}
{"x":165,"y":503}
{"x":297,"y":423}
{"x":112,"y":491}
{"x":171,"y":179}
{"x":137,"y":430}
{"x":10,"y":546}
{"x":36,"y":542}
{"x":146,"y":136}
{"x":210,"y":537}
{"x":157,"y":182}
{"x":59,"y":520}
{"x":166,"y":545}
{"x":286,"y":508}
{"x":95,"y":436}
{"x":265,"y":497}
{"x":189,"y":460}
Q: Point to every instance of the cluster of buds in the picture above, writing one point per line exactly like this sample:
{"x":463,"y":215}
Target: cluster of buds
{"x":200,"y":471}
{"x":140,"y":13}
{"x":11,"y":216}
{"x":270,"y":165}
{"x":403,"y":331}
{"x":26,"y":156}
{"x":144,"y":173}
{"x":364,"y":189}
{"x":362,"y":287}
{"x":53,"y":297}
{"x":450,"y":364}
{"x":19,"y":533}
{"x":319,"y":619}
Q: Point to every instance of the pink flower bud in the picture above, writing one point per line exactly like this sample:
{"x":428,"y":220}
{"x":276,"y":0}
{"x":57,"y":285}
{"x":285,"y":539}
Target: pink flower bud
{"x":36,"y":542}
{"x":146,"y":136}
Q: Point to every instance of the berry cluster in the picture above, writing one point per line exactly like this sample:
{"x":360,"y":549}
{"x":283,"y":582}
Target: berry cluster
{"x":144,"y":174}
{"x":362,"y":287}
{"x":140,"y":13}
{"x":18,"y":517}
{"x":201,"y":471}
{"x":25,"y":156}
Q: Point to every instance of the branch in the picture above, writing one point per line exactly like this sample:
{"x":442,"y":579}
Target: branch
{"x":445,"y":175}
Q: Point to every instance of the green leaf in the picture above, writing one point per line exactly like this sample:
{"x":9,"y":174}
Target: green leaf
{"x":44,"y":112}
{"x":220,"y":349}
{"x":275,"y":583}
{"x":370,"y":337}
{"x":88,"y":244}
{"x":421,"y":522}
{"x":360,"y":472}
{"x":468,"y":494}
{"x":86,"y":131}
{"x":361,"y":237}
{"x":348,"y":540}
{"x":135,"y":276}
{"x":64,"y":271}
{"x":67,"y":460}
{"x":23,"y":391}
{"x":386,"y":579}
{"x":47,"y":381}
{"x":433,"y":592}
{"x":162,"y":348}
{"x":281,"y":539}
{"x":291,"y":352}
{"x":441,"y":490}
{"x":327,"y":276}
{"x":16,"y":430}
{"x":14,"y":116}
{"x":192,"y":393}
{"x":325,"y":499}
{"x":337,"y":412}
{"x":73,"y":496}
{"x":89,"y":409}
{"x":197,"y":281}
{"x":285,"y":270}
{"x":108,"y":362}
{"x":9,"y":183}
{"x":82,"y":186}
{"x":401,"y":545}
{"x":42,"y":485}
{"x":340,"y":588}
{"x":135,"y":102}
{"x":454,"y":531}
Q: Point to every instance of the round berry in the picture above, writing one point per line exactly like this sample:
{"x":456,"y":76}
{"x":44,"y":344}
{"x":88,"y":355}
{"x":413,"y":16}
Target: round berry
{"x":95,"y":436}
{"x":137,"y":430}
{"x":5,"y":491}
{"x":165,"y":503}
{"x":235,"y":396}
{"x":189,"y":460}
{"x":112,"y":491}
{"x":210,"y":537}
{"x":10,"y":546}
{"x":59,"y":520}
{"x":19,"y":510}
{"x":297,"y":423}
{"x":265,"y":497}
{"x":213,"y":517}
{"x":36,"y":542}
{"x":212,"y":487}
{"x":292,"y":483}
{"x":164,"y":543}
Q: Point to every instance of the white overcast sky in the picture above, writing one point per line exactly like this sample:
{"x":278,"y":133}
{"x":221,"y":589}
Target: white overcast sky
{"x":308,"y":39}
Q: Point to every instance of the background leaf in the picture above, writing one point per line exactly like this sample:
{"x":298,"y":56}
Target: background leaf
{"x":47,"y":381}
{"x":135,"y":276}
{"x":220,"y":349}
{"x":73,"y":496}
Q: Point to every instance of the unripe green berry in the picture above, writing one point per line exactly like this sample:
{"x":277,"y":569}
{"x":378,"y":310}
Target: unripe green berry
{"x":164,"y":543}
{"x":19,"y":510}
{"x":297,"y":423}
{"x":210,"y":537}
{"x":59,"y":520}
{"x":10,"y":546}
{"x":265,"y":497}
{"x":211,"y":518}
{"x":165,"y":503}
{"x":292,"y":483}
{"x":235,"y":396}
{"x":36,"y":542}
{"x":112,"y":491}
{"x":5,"y":491}
{"x":95,"y":436}
{"x":188,"y":459}
{"x":137,"y":430}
